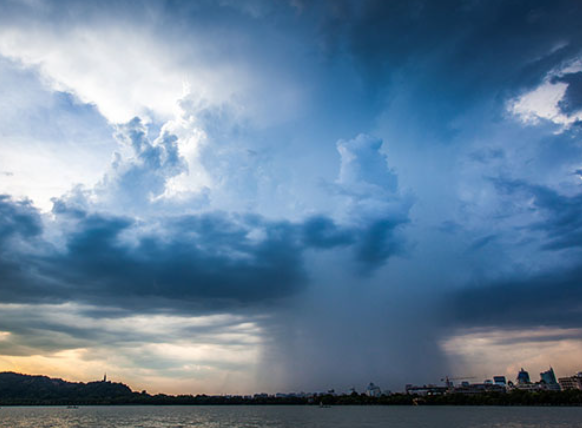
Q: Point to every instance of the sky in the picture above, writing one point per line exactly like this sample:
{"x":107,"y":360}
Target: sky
{"x":229,"y":197}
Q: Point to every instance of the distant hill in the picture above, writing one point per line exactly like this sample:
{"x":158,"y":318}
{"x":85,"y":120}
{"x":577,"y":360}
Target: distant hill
{"x":20,"y":389}
{"x":25,"y":389}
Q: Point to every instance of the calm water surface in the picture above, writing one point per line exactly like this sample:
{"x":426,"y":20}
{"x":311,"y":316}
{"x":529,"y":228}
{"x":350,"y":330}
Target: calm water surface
{"x":289,"y":416}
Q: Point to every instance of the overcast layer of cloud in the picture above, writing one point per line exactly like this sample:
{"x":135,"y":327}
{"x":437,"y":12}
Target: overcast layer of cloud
{"x":373,"y":180}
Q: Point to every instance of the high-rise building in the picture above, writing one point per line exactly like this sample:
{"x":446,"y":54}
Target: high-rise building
{"x":523,"y":377}
{"x":548,"y":376}
{"x":500,"y":380}
{"x":373,"y":390}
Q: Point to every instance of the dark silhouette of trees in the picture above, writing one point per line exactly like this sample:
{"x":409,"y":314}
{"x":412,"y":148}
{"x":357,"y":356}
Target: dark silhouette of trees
{"x":19,"y":389}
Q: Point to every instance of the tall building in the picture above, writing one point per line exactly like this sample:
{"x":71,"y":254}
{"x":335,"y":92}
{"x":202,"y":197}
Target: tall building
{"x":500,"y":380}
{"x":548,"y":380}
{"x":373,"y":390}
{"x":523,"y":377}
{"x":548,"y":377}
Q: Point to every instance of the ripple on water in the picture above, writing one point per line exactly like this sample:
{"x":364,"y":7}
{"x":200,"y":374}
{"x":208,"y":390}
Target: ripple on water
{"x":289,"y":417}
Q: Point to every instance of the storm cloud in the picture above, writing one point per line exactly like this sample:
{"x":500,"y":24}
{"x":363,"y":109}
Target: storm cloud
{"x":194,"y":263}
{"x":232,"y":196}
{"x":534,"y":301}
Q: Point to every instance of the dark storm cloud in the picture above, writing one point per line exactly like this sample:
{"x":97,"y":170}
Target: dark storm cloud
{"x":377,"y":242}
{"x":550,"y":298}
{"x":572,"y":101}
{"x":203,"y":262}
{"x":482,"y":242}
{"x":20,"y":228}
{"x":562,"y":214}
{"x":199,"y":262}
{"x":322,"y":232}
{"x":437,"y":60}
{"x":373,"y":244}
{"x":553,"y":299}
{"x":18,"y":219}
{"x":502,"y":35}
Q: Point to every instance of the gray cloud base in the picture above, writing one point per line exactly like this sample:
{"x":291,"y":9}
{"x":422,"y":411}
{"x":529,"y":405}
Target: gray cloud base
{"x":194,"y":263}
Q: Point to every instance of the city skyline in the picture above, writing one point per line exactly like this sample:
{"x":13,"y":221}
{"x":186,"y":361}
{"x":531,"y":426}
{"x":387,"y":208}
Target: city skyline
{"x":227,"y":196}
{"x":522,"y":380}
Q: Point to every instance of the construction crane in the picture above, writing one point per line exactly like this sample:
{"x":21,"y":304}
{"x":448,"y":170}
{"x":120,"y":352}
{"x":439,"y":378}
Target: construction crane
{"x":449,"y":380}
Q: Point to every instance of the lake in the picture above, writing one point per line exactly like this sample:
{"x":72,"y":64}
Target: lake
{"x":290,"y":416}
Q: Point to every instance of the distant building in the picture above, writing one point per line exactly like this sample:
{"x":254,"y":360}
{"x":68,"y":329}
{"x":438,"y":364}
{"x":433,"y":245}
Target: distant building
{"x":548,"y":378}
{"x":261,"y":395}
{"x":373,"y":390}
{"x":531,"y":387}
{"x":571,"y":382}
{"x":426,"y":390}
{"x":500,"y":380}
{"x":523,"y":377}
{"x":478,"y":388}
